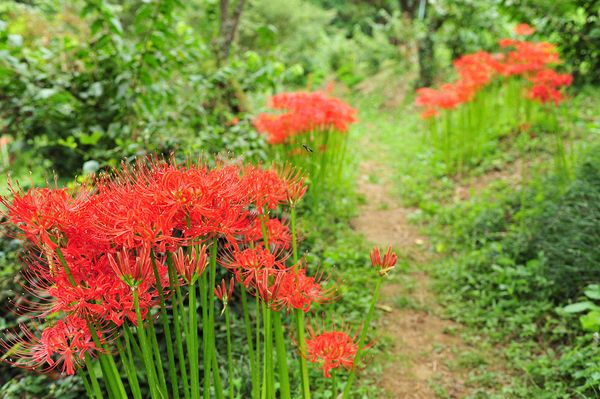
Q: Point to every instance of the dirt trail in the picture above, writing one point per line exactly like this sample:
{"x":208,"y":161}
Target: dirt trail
{"x":424,"y":345}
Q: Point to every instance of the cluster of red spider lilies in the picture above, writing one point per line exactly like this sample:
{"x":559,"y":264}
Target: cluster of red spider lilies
{"x":125,"y":268}
{"x":309,"y":130}
{"x":492,"y":90}
{"x":531,"y":60}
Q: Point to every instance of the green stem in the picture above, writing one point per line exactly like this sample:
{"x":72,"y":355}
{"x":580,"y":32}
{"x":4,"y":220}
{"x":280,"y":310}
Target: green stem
{"x":249,"y":342}
{"x":145,"y":348}
{"x":284,"y":379}
{"x":268,"y":354}
{"x":93,"y":379}
{"x":167,"y":330}
{"x":334,"y":388}
{"x":192,"y":338}
{"x":211,"y":314}
{"x":205,"y":336}
{"x":217,"y":375}
{"x":300,"y":326}
{"x":133,"y":380}
{"x":157,"y":359}
{"x":257,"y":352}
{"x":175,"y":304}
{"x":361,"y":342}
{"x":229,"y":355}
{"x":299,"y":317}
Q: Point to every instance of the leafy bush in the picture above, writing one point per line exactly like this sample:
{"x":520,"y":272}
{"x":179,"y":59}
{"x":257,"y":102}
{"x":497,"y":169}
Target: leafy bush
{"x":568,"y":233}
{"x":87,"y":85}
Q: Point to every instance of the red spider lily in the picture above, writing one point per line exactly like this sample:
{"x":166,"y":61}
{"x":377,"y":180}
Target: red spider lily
{"x":296,"y":290}
{"x":549,"y":77}
{"x":190,"y":266}
{"x":545,"y":94}
{"x":278,"y":234}
{"x":528,"y":57}
{"x":265,"y":189}
{"x":477,"y":69}
{"x":546,"y":83}
{"x":386,"y":264}
{"x":224,"y":293}
{"x":42,"y":214}
{"x":305,"y":112}
{"x":256,"y":268}
{"x":133,"y":270}
{"x":449,"y":96}
{"x":331,"y":349}
{"x":295,"y":183}
{"x":98,"y":294}
{"x":524,"y":30}
{"x":64,"y":344}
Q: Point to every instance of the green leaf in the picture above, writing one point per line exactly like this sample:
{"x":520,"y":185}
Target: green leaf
{"x":90,"y":139}
{"x":591,"y":321}
{"x":69,"y":142}
{"x":580,"y":307}
{"x":592,"y":291}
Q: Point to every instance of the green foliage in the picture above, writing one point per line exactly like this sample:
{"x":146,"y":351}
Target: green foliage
{"x":293,"y":30}
{"x":591,"y":320}
{"x":306,"y":35}
{"x":95,"y":83}
{"x":572,"y":24}
{"x":41,"y":386}
{"x":510,"y":272}
{"x":568,"y":233}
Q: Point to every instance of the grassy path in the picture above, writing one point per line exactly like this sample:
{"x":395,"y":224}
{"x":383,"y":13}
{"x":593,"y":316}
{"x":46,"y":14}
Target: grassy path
{"x":425,"y":357}
{"x":422,"y":343}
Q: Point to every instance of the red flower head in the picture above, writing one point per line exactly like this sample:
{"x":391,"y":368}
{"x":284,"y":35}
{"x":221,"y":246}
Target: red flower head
{"x":331,"y":349}
{"x":548,"y":77}
{"x":386,"y":264}
{"x":190,"y":266}
{"x":524,"y":30}
{"x":257,"y":268}
{"x":528,"y":57}
{"x":44,"y":214}
{"x":223,"y":293}
{"x":546,"y":86}
{"x":295,"y":290}
{"x":278,"y":234}
{"x":132,"y":269}
{"x":545,"y":94}
{"x":66,"y":343}
{"x":264,"y":188}
{"x":295,"y":182}
{"x":305,"y":112}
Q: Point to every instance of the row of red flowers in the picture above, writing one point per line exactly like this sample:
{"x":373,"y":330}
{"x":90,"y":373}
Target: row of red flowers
{"x":531,"y":60}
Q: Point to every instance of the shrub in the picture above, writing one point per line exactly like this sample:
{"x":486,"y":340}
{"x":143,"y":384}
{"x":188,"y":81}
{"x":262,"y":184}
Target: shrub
{"x":568,"y":233}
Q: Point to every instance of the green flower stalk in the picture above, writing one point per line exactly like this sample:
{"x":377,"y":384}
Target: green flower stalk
{"x":383,"y":266}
